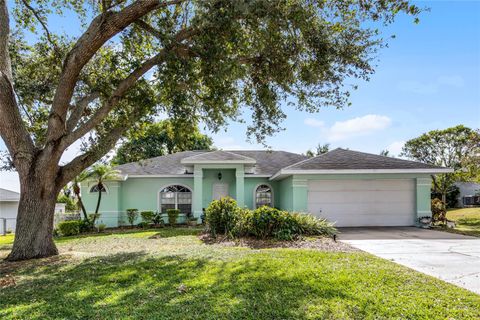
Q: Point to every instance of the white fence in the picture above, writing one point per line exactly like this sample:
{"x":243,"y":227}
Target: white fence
{"x":7,"y":225}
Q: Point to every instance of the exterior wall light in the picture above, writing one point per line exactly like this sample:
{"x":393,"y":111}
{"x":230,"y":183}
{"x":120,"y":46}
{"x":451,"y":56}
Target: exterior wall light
{"x":219,"y":176}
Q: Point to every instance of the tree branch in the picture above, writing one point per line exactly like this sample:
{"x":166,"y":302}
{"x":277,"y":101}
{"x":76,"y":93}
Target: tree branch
{"x":44,"y":26}
{"x":117,"y":94}
{"x":79,"y":108}
{"x":103,"y":27}
{"x":124,"y":86}
{"x":145,"y":26}
{"x":18,"y":141}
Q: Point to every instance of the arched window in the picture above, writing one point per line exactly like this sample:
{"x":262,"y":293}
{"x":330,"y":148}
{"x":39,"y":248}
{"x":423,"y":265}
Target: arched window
{"x":176,"y":197}
{"x":263,"y":196}
{"x":95,"y":188}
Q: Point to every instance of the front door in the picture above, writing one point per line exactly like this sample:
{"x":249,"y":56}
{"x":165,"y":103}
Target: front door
{"x":220,"y":190}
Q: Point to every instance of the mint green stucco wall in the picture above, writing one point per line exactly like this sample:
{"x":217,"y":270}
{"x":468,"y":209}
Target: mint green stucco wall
{"x":286,"y":193}
{"x":250,"y":186}
{"x":210,"y":177}
{"x":290,"y":193}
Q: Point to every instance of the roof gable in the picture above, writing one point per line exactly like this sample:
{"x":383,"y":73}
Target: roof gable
{"x":7,"y":195}
{"x":342,"y":159}
{"x":267,"y":162}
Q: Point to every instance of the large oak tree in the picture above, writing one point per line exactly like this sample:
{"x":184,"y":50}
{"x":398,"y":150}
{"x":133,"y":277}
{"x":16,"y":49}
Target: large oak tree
{"x":206,"y":60}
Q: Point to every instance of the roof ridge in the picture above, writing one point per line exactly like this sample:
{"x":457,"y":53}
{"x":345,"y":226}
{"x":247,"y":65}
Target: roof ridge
{"x":225,"y":151}
{"x":309,"y":159}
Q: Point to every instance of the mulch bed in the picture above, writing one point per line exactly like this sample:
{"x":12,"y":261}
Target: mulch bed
{"x":318,"y":243}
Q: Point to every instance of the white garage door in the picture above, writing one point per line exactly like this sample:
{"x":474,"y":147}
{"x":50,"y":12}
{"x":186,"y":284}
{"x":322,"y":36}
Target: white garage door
{"x":355,"y":203}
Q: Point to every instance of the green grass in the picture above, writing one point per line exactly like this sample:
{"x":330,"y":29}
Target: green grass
{"x":7,"y":239}
{"x":137,"y":276}
{"x":467,"y":220}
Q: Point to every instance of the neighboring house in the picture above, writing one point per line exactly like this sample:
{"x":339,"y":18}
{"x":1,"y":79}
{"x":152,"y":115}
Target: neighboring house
{"x":469,"y":194}
{"x":347,"y":187}
{"x":8,"y":209}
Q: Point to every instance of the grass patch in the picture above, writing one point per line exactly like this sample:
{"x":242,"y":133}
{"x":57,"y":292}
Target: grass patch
{"x":174,"y":275}
{"x":467,"y":221}
{"x":7,"y":239}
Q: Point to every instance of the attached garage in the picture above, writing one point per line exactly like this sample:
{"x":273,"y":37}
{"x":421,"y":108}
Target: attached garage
{"x":355,"y":203}
{"x":358,"y":189}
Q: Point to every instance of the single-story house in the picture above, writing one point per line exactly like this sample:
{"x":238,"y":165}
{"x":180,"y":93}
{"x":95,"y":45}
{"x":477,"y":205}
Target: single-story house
{"x":469,"y":194}
{"x":347,"y":187}
{"x":8,"y":209}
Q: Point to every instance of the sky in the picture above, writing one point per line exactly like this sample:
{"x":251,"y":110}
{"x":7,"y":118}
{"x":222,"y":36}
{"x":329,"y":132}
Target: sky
{"x":428,"y":78}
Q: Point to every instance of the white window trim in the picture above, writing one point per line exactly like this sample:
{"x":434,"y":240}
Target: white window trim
{"x":255,"y":194}
{"x":159,"y":196}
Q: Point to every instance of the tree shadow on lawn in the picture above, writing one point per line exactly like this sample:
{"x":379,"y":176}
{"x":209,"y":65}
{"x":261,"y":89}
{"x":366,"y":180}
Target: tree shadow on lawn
{"x":138,"y":286}
{"x":282,"y":284}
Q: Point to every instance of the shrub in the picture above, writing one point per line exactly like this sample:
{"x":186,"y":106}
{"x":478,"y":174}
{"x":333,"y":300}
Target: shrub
{"x":172,"y":216}
{"x":263,"y":222}
{"x":143,"y":224}
{"x":101,"y":227}
{"x":93,"y":217}
{"x":221,"y":216}
{"x":132,"y":215}
{"x":309,"y":225}
{"x":157,"y":218}
{"x":147,"y":216}
{"x":86,"y":225}
{"x":439,"y":211}
{"x":69,"y":228}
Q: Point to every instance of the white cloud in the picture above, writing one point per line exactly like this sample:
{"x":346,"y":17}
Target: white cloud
{"x":360,"y":126}
{"x":431,"y":87}
{"x":314,"y":122}
{"x":395,"y":148}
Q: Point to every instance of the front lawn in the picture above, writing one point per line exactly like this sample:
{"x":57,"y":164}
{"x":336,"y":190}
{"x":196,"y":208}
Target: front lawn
{"x":172,"y":274}
{"x":467,"y":220}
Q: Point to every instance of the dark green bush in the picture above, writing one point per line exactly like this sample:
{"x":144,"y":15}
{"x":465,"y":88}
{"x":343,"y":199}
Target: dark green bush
{"x":263,"y":222}
{"x":157,"y":218}
{"x":143,"y":224}
{"x":69,"y":228}
{"x":224,"y":217}
{"x":172,"y":216}
{"x":221,"y":216}
{"x":147,"y":216}
{"x":86,"y":226}
{"x":132,"y":215}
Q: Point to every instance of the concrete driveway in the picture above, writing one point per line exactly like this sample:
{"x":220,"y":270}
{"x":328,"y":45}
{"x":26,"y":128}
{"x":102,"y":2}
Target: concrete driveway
{"x":450,"y":257}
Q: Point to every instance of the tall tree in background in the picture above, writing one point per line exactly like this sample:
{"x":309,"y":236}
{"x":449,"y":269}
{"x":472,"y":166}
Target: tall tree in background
{"x":320,"y":149}
{"x":157,"y":139}
{"x":457,"y":148}
{"x":202,"y":60}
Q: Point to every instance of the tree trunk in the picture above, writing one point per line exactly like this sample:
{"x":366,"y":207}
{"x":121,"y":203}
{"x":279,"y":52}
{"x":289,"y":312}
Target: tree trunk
{"x":99,"y":197}
{"x":34,"y":229}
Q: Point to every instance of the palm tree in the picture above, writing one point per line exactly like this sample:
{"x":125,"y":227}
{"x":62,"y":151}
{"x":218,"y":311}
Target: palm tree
{"x":100,"y":173}
{"x":76,"y":190}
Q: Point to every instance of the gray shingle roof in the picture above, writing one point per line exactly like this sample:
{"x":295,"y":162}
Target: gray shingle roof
{"x":267,"y":162}
{"x":7,"y":195}
{"x":341,"y":159}
{"x":218,"y":155}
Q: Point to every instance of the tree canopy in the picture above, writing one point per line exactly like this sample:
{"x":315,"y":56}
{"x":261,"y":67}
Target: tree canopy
{"x":157,"y":139}
{"x":456,"y":147}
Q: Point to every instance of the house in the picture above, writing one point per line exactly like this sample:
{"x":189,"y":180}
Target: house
{"x":8,"y":209}
{"x":347,"y":187}
{"x":469,"y":194}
